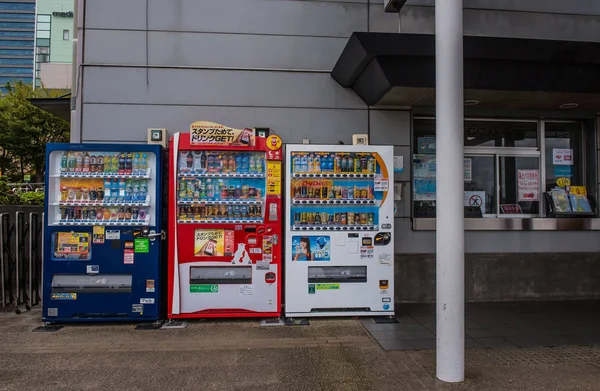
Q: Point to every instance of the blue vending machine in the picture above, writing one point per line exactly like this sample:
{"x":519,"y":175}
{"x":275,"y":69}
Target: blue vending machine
{"x":103,"y":233}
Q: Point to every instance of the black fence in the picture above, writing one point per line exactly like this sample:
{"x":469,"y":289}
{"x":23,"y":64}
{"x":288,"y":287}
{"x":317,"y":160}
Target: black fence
{"x":21,"y":238}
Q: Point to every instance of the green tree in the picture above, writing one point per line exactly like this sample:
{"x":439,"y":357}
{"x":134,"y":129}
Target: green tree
{"x":25,"y":130}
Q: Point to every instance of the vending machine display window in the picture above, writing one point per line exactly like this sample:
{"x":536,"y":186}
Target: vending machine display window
{"x":69,"y":246}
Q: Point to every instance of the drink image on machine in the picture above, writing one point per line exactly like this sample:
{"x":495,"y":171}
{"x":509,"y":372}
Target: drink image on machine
{"x":349,"y":204}
{"x":222,"y":256}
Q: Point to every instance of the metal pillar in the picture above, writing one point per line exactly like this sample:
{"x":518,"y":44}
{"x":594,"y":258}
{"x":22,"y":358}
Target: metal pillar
{"x":450,"y":237}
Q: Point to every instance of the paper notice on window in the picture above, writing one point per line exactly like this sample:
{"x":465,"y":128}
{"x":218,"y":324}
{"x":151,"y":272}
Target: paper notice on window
{"x":562,"y":157}
{"x":529,"y":185}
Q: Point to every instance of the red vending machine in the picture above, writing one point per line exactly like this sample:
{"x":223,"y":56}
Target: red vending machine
{"x":225,"y":245}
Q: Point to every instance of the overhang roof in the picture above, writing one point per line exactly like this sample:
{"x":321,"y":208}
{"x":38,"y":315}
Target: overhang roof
{"x":394,"y":69}
{"x":60,"y":107}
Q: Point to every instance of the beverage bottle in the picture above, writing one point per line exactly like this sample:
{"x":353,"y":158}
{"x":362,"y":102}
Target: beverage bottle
{"x":252,"y":165}
{"x":71,"y":162}
{"x":357,"y":164}
{"x":218,"y":165}
{"x":210,"y":163}
{"x":121,"y":163}
{"x":100,"y":194}
{"x":142,"y":214}
{"x":107,"y":190}
{"x":106,"y":213}
{"x":182,"y":189}
{"x":371,"y":165}
{"x":136,"y":192}
{"x":338,"y":163}
{"x":121,"y":214}
{"x":143,"y":168}
{"x":85,"y":162}
{"x":201,"y":190}
{"x":128,"y":191}
{"x":296,"y":164}
{"x":197,"y":161}
{"x":93,"y":163}
{"x":135,"y":169}
{"x":203,"y":161}
{"x":238,"y":162}
{"x":100,"y":163}
{"x":182,"y":162}
{"x":64,"y":162}
{"x":245,"y":163}
{"x":78,"y":162}
{"x":128,"y":214}
{"x":310,"y":163}
{"x":344,"y":164}
{"x":114,"y":167}
{"x":259,"y":164}
{"x":350,"y":164}
{"x":189,"y":161}
{"x":143,"y":190}
{"x":210,"y":190}
{"x":129,"y":163}
{"x":121,"y":188}
{"x":231,"y":163}
{"x":317,"y":162}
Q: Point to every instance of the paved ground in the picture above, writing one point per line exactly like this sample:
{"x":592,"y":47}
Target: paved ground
{"x":495,"y":325}
{"x":241,"y":355}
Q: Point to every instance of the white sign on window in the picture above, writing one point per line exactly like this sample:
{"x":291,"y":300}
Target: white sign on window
{"x":529,"y":185}
{"x":562,"y":157}
{"x":475,"y":198}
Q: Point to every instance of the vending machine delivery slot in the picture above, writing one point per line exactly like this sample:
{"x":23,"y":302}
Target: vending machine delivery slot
{"x":339,"y":224}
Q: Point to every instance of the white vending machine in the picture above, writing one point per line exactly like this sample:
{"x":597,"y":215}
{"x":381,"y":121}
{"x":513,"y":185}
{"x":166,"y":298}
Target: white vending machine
{"x":339,"y":258}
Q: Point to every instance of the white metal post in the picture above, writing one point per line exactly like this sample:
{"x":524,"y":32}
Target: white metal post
{"x":450,"y":237}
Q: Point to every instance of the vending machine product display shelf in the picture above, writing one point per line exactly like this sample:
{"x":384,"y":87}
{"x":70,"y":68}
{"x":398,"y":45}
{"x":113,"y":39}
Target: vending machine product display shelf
{"x":146,"y":202}
{"x":101,"y":175}
{"x":221,"y":221}
{"x":220,"y":175}
{"x":220,"y":202}
{"x":312,"y":227}
{"x":334,"y":175}
{"x":101,"y":222}
{"x":309,"y":201}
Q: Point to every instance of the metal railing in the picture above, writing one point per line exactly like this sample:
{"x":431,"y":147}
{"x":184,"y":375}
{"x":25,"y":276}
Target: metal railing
{"x":21,"y":239}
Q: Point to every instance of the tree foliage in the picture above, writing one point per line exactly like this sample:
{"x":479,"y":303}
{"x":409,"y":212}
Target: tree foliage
{"x":25,"y":130}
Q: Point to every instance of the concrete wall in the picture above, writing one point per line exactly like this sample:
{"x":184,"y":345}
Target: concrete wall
{"x":55,"y":75}
{"x":575,"y":20}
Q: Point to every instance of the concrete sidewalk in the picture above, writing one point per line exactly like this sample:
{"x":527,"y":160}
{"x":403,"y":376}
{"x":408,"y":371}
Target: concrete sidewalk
{"x":241,"y":355}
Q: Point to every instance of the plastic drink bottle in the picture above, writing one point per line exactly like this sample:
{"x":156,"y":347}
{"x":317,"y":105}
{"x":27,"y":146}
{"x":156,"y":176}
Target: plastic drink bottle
{"x":197,"y":161}
{"x":143,"y":168}
{"x":64,"y":162}
{"x":136,"y":164}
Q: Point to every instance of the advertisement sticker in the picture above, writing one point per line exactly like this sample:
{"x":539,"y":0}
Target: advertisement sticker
{"x":475,"y":198}
{"x":273,"y":177}
{"x":147,"y":300}
{"x":141,"y":245}
{"x":398,"y":164}
{"x":129,"y":244}
{"x":311,"y":289}
{"x":562,"y":157}
{"x":381,"y":184}
{"x":327,"y":287}
{"x":150,"y":287}
{"x":311,"y":248}
{"x":247,"y":290}
{"x":92,"y":269}
{"x":137,"y":308}
{"x":128,"y":255}
{"x":113,"y":235}
{"x":210,"y":133}
{"x":72,"y":245}
{"x":529,"y":185}
{"x":98,"y":234}
{"x":213,"y":243}
{"x":64,"y":296}
{"x":204,"y":288}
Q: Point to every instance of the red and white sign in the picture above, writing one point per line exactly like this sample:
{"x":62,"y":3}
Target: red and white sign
{"x":562,"y":157}
{"x":529,"y":185}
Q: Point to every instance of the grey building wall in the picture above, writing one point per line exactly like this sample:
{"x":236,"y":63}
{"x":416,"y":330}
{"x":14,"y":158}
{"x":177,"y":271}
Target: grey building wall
{"x":267,"y":63}
{"x":573,"y":20}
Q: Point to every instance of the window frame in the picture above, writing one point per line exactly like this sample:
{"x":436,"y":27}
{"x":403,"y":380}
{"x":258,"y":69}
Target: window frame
{"x":538,"y":152}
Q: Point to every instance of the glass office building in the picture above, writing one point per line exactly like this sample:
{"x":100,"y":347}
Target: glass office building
{"x":17,"y":29}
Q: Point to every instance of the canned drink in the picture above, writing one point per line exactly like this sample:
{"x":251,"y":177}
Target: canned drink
{"x":197,"y":214}
{"x":121,"y":213}
{"x":336,"y":218}
{"x":343,"y":218}
{"x":364,"y":220}
{"x":364,"y":193}
{"x":303,"y":191}
{"x":99,"y":214}
{"x":245,"y":211}
{"x":350,"y":218}
{"x":258,"y":211}
{"x":77,"y":213}
{"x":64,"y":214}
{"x":182,"y":213}
{"x":371,"y":218}
{"x":189,"y":213}
{"x":324,"y":218}
{"x":297,"y":218}
{"x":237,"y":212}
{"x":251,"y":210}
{"x":330,"y":219}
{"x":317,"y":219}
{"x":304,"y":218}
{"x":311,"y":218}
{"x":135,"y":213}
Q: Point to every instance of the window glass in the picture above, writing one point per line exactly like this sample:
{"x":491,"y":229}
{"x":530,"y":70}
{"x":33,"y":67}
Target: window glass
{"x":500,"y":134}
{"x":17,"y":6}
{"x":480,"y":183}
{"x":16,"y":25}
{"x":5,"y":15}
{"x":16,"y":70}
{"x":15,"y":52}
{"x":15,"y":43}
{"x":43,"y":34}
{"x":18,"y":34}
{"x":43,"y":26}
{"x":520,"y":183}
{"x":65,"y":35}
{"x":563,"y":153}
{"x":43,"y":18}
